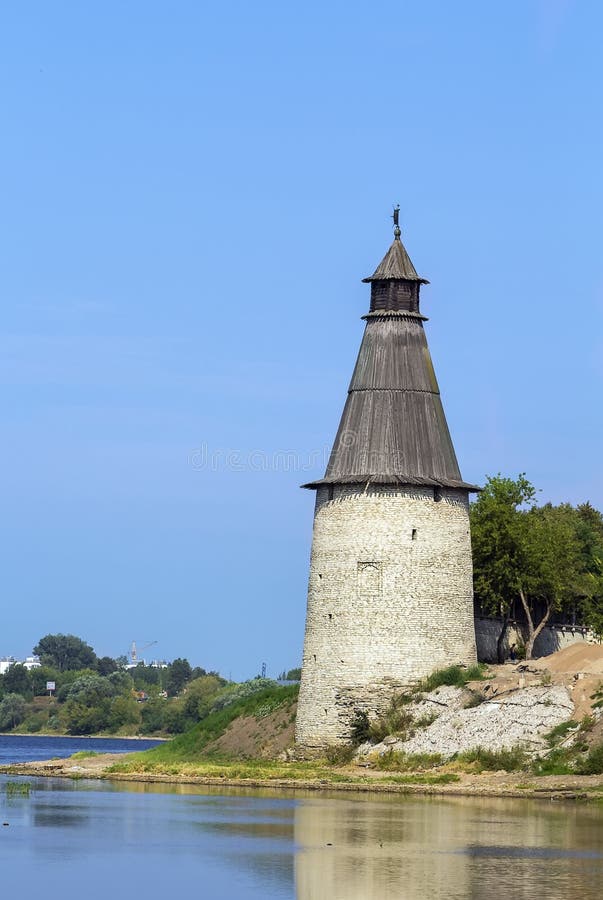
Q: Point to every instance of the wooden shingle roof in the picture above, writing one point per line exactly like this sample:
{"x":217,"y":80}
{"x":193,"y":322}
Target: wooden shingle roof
{"x":393,"y":429}
{"x":396,"y":264}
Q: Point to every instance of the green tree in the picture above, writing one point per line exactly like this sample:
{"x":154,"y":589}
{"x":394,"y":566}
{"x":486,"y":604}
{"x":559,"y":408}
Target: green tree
{"x":548,"y":558}
{"x":124,"y":711}
{"x":79,"y":718}
{"x":589,"y":527}
{"x":65,"y":652}
{"x":17,"y":680}
{"x":178,"y":674}
{"x":39,"y":676}
{"x":153,"y":715}
{"x":199,"y":695}
{"x":145,"y":676}
{"x":89,"y":690}
{"x":174,"y":718}
{"x":498,"y":540}
{"x":12,"y":711}
{"x":105,"y":665}
{"x":554,"y":574}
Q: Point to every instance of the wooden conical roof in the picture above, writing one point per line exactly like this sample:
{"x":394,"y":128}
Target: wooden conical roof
{"x":396,"y":264}
{"x":393,"y":429}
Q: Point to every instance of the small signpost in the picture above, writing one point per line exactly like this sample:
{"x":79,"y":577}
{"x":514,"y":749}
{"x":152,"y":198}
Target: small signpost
{"x":50,"y":687}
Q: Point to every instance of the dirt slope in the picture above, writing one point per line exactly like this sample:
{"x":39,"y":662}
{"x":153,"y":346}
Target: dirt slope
{"x":263,"y":738}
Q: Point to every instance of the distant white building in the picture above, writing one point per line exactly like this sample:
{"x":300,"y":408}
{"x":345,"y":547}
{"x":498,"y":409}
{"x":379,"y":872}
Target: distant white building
{"x":31,"y":662}
{"x":5,"y":663}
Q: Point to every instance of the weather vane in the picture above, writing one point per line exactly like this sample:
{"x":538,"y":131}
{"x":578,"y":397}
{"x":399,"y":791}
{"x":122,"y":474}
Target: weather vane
{"x":396,"y":217}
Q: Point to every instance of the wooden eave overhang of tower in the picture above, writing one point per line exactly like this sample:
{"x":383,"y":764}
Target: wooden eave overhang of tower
{"x":393,"y":430}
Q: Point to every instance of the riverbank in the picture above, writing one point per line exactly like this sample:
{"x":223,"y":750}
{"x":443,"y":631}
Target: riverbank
{"x":78,"y":737}
{"x":313,"y":777}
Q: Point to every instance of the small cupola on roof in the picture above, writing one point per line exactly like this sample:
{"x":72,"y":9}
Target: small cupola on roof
{"x":395,"y":283}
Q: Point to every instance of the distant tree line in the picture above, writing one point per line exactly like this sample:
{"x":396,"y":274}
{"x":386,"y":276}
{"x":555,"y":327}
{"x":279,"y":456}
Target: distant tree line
{"x":98,"y":694}
{"x":541,"y":561}
{"x":290,"y":674}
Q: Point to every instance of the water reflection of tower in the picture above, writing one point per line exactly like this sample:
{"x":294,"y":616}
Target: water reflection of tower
{"x":367,"y":849}
{"x":456,"y":848}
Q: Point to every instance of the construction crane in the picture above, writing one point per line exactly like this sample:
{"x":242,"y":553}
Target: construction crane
{"x":134,"y":651}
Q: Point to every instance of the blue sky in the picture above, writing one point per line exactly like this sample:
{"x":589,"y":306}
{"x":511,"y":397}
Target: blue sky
{"x":191,"y":194}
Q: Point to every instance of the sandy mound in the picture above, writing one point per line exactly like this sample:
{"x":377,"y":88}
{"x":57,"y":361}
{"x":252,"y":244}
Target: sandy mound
{"x":580,"y":657}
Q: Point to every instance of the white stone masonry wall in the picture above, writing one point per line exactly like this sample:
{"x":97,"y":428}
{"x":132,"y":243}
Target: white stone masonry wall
{"x":390,"y":599}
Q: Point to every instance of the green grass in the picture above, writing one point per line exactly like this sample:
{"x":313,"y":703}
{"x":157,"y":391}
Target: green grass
{"x":443,"y":778}
{"x":559,"y":732}
{"x":513,"y":760}
{"x":395,"y":720}
{"x":17,"y":789}
{"x":244,"y":770}
{"x":455,"y":676}
{"x":84,"y":754}
{"x":270,"y":770}
{"x":397,"y":761}
{"x":191,"y":746}
{"x":559,"y":761}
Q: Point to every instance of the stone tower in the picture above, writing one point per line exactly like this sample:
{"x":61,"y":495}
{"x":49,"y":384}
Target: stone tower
{"x":390,"y":596}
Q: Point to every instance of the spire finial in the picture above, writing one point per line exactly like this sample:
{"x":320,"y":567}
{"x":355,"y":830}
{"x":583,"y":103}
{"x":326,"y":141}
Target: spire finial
{"x":395,"y":217}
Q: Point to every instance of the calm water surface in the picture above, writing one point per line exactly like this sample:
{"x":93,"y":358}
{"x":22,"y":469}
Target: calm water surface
{"x":86,"y":839}
{"x":27,"y":748}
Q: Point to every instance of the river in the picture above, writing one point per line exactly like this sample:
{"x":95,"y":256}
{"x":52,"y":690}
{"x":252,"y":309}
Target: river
{"x":16,"y":748}
{"x":97,"y":839}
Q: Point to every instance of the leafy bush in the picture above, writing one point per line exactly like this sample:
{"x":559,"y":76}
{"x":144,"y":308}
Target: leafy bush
{"x":200,"y":695}
{"x":593,"y":763}
{"x":85,"y":685}
{"x":124,"y":711}
{"x":234,"y":693}
{"x":360,"y":727}
{"x":511,"y":760}
{"x":396,"y":720}
{"x":153,"y":714}
{"x":78,"y":718}
{"x":12,"y":710}
{"x":560,"y":761}
{"x":340,"y":754}
{"x":35,"y":722}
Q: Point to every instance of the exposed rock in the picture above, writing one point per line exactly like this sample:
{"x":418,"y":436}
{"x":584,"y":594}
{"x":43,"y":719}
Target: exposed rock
{"x":442,"y":699}
{"x":520,"y":717}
